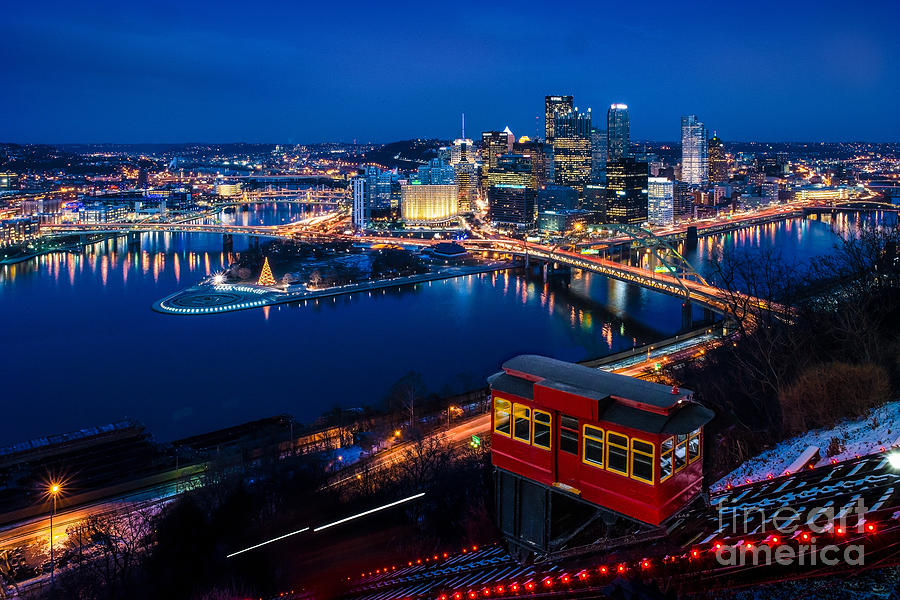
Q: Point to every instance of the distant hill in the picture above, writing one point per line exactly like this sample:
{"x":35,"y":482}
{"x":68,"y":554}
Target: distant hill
{"x":406,"y":154}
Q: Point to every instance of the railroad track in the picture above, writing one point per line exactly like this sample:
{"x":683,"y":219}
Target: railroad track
{"x":813,"y":506}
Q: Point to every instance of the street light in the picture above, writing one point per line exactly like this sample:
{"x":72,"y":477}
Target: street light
{"x":894,"y":459}
{"x":54,"y":490}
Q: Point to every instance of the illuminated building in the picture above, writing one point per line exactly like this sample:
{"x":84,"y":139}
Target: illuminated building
{"x":462,"y":159}
{"x":841,"y":193}
{"x":694,"y":152}
{"x":660,"y":201}
{"x":598,"y":154}
{"x":493,"y":144}
{"x":376,"y":196}
{"x":360,"y":218}
{"x":626,"y":191}
{"x":9,"y":181}
{"x":511,"y":205}
{"x":228,"y":190}
{"x":769,"y":191}
{"x":594,"y":200}
{"x":512,"y":169}
{"x":684,"y":200}
{"x":103,"y":213}
{"x":436,"y":172}
{"x":433,"y":205}
{"x":718,"y":165}
{"x":15,"y":232}
{"x":555,"y":105}
{"x":462,"y":150}
{"x":572,"y":149}
{"x":561,"y":221}
{"x":618,"y":139}
{"x":557,"y":197}
{"x":511,"y":193}
{"x":541,"y":160}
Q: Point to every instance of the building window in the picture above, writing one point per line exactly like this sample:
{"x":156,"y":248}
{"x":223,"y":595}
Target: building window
{"x":642,"y":458}
{"x":617,"y":453}
{"x":593,"y":446}
{"x":666,"y":464}
{"x":693,"y":446}
{"x":542,"y":429}
{"x":501,"y":416}
{"x":680,"y":452}
{"x":522,"y":423}
{"x":568,"y":434}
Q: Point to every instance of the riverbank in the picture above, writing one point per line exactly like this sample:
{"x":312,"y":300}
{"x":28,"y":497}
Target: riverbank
{"x":204,"y":299}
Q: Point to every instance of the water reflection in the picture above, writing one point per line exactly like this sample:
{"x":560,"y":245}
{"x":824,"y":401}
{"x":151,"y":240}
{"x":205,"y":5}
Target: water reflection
{"x":84,"y":329}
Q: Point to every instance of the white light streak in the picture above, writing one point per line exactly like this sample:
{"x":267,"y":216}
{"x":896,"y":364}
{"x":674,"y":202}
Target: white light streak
{"x":281,"y":537}
{"x":369,"y":512}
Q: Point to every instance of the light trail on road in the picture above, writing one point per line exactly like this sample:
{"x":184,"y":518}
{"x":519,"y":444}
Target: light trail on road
{"x":261,"y":544}
{"x":369,"y":512}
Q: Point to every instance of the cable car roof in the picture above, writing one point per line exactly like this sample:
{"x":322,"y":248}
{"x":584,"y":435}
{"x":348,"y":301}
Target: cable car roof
{"x":622,"y":400}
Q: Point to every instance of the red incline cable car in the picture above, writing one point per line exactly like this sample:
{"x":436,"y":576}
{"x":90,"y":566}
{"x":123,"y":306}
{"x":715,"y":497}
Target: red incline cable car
{"x":624,"y":444}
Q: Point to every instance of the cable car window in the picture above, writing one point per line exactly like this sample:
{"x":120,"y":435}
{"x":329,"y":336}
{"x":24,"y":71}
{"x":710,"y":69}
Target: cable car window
{"x":501,"y":416}
{"x":522,"y":423}
{"x":617,"y":453}
{"x":642,"y":455}
{"x":680,"y":452}
{"x":666,"y":464}
{"x":542,"y":429}
{"x":568,"y":434}
{"x":693,"y":447}
{"x":593,"y":446}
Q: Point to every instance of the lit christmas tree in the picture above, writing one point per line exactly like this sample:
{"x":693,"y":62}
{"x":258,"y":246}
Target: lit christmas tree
{"x":265,"y":277}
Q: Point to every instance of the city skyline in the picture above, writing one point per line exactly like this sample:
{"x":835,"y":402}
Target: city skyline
{"x":135,"y":74}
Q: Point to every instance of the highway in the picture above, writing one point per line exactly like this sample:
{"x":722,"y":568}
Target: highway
{"x":456,"y":435}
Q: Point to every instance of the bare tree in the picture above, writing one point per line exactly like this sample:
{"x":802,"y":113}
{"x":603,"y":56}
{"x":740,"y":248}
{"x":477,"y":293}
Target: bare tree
{"x":406,"y":392}
{"x":7,"y":579}
{"x":104,"y":552}
{"x":423,"y":460}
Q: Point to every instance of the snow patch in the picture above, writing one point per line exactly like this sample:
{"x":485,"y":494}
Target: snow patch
{"x":879,"y":429}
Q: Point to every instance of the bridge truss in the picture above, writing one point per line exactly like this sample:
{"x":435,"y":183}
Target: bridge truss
{"x":670,"y":261}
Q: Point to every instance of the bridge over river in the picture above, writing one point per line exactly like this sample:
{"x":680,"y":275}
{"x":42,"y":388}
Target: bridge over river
{"x":680,"y":280}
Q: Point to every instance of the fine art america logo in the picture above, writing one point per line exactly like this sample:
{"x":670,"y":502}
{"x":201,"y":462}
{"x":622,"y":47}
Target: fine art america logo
{"x":846,"y":531}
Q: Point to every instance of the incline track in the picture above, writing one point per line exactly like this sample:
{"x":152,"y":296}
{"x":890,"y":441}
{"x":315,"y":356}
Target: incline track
{"x":738,"y":519}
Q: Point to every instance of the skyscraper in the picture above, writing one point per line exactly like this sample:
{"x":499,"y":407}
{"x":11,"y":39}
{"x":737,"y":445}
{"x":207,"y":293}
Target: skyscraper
{"x":462,"y":159}
{"x":493,"y":144}
{"x":554,"y":105}
{"x":694,"y":151}
{"x":660,"y":201}
{"x":617,"y":135}
{"x":598,"y":154}
{"x":511,"y":194}
{"x":718,"y":166}
{"x":626,"y":191}
{"x":572,"y":149}
{"x":541,"y":159}
{"x":375,"y":196}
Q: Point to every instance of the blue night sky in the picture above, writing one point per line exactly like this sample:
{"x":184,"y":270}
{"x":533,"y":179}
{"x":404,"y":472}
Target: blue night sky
{"x":120,"y":71}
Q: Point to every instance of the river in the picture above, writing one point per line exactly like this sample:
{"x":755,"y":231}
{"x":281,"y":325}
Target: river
{"x":79,"y":345}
